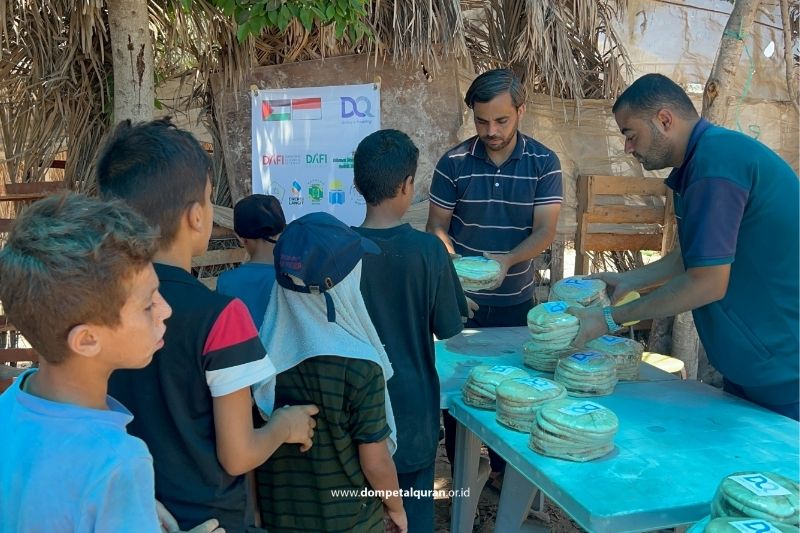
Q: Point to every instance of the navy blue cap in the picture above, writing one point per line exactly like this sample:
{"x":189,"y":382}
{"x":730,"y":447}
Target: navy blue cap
{"x":258,"y":216}
{"x":321,"y":251}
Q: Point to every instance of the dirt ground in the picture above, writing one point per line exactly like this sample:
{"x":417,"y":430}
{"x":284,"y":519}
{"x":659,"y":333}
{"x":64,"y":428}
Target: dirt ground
{"x":553,"y":518}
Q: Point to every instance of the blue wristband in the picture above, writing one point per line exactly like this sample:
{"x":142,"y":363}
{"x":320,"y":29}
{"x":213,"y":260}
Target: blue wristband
{"x":613,"y":327}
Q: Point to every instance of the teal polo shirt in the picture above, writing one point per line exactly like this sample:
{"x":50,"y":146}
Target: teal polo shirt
{"x":736,"y":202}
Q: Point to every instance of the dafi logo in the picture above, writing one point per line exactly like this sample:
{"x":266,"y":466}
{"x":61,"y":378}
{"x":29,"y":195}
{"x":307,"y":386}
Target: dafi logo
{"x":316,"y":192}
{"x":269,"y":160}
{"x":316,"y":159}
{"x":295,"y":196}
{"x":336,"y":193}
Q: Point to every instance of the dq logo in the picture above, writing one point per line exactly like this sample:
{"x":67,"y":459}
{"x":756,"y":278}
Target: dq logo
{"x":359,"y":107}
{"x":582,"y":408}
{"x":756,"y":526}
{"x":583,"y":357}
{"x":760,"y":485}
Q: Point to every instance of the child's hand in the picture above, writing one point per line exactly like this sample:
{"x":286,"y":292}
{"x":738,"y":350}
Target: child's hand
{"x":397,"y":521}
{"x":299,"y":424}
{"x":209,"y":526}
{"x":170,"y":525}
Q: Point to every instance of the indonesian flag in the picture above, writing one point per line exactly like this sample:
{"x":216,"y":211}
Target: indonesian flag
{"x":306,"y":108}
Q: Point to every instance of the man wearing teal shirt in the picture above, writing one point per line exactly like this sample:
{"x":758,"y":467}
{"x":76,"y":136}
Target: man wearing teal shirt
{"x":736,"y":204}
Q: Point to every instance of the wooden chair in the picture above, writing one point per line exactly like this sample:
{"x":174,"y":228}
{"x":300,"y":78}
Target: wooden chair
{"x":650,"y":225}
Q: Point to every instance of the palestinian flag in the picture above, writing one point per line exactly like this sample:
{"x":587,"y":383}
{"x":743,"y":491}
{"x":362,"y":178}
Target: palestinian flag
{"x":306,"y":108}
{"x":276,"y":109}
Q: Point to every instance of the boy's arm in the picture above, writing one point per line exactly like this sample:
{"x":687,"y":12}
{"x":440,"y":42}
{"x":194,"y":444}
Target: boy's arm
{"x":234,"y":360}
{"x":240,"y":447}
{"x":379,"y":469}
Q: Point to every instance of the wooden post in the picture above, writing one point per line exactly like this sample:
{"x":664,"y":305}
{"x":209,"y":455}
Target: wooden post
{"x":584,"y":197}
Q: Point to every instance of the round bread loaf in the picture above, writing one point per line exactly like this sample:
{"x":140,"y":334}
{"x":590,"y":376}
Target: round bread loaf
{"x":476,"y":272}
{"x":764,"y":495}
{"x":627,"y":354}
{"x":480,"y":388}
{"x":587,"y":374}
{"x":519,"y":399}
{"x":576,"y":430}
{"x":577,"y":290}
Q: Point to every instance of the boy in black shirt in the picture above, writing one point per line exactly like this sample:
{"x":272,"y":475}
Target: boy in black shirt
{"x":412,"y":293}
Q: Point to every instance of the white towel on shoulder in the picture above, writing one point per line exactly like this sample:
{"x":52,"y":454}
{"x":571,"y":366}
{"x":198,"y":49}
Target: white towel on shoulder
{"x":296,"y":328}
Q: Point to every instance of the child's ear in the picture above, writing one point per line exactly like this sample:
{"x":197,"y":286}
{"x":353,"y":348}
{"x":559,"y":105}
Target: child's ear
{"x":83,"y":340}
{"x":408,"y":183}
{"x":194,"y":216}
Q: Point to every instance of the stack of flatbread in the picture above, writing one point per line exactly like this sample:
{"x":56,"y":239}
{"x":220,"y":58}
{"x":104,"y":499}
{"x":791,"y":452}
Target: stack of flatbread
{"x":577,"y":290}
{"x":519,"y":399}
{"x":480,"y":388}
{"x":476,"y":272}
{"x":576,"y":430}
{"x":737,"y":524}
{"x":768,"y":496}
{"x":626,"y":352}
{"x":587,"y":374}
{"x":552,"y":331}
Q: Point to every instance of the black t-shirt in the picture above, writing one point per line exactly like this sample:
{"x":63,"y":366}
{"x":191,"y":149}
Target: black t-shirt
{"x":211,"y":348}
{"x":412,"y":292}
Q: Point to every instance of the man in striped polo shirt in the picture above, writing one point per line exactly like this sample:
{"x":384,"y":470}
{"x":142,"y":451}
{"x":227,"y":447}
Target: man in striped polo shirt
{"x":497,"y":194}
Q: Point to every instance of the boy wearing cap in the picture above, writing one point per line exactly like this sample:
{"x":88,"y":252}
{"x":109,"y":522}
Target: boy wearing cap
{"x":423,"y":299}
{"x":327,"y":352}
{"x":258,"y":220}
{"x":60,"y":433}
{"x":192,"y":403}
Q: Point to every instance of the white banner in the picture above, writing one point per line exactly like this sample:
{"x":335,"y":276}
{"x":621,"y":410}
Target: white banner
{"x":303,"y":144}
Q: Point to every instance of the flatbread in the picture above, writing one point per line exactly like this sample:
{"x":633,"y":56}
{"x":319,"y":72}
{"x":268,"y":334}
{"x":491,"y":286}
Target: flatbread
{"x":737,"y":498}
{"x":587,"y":373}
{"x":576,"y":290}
{"x":480,"y":388}
{"x":519,"y":399}
{"x":476,"y":272}
{"x":626,"y":352}
{"x":542,"y":358}
{"x":574,"y":430}
{"x":738,"y":524}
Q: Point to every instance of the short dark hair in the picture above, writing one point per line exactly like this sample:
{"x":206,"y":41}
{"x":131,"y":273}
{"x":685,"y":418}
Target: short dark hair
{"x":157,"y":168}
{"x":652,"y":92}
{"x":493,"y":83}
{"x":69,"y":261}
{"x":383,"y":160}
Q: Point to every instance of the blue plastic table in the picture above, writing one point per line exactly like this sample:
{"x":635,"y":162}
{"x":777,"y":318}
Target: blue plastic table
{"x":676,"y":442}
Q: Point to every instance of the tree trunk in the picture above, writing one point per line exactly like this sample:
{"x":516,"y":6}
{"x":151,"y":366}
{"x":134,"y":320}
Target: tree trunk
{"x":791,"y":78}
{"x":132,"y":49}
{"x":723,"y":73}
{"x":685,"y":342}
